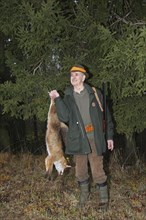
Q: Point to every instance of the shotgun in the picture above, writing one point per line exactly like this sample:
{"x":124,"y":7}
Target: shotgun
{"x":104,"y":108}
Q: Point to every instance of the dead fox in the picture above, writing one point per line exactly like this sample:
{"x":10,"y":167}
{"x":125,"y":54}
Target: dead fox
{"x":54,"y":143}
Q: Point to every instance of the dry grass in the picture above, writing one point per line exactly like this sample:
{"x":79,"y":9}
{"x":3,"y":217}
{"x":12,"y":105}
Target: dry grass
{"x":26,"y":194}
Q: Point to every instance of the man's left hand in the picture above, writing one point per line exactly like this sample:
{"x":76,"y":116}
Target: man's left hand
{"x":110,"y":144}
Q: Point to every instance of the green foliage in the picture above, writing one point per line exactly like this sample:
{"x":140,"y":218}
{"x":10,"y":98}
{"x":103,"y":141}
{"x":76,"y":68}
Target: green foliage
{"x":124,"y":68}
{"x":125,"y":65}
{"x":39,"y":37}
{"x":32,"y":56}
{"x":28,"y":96}
{"x":47,"y":37}
{"x":130,"y":115}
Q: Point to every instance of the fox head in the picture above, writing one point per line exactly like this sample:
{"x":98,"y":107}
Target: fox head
{"x":61,"y":165}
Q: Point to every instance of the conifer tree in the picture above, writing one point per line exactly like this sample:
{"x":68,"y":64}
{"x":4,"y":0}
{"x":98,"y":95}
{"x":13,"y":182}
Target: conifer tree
{"x":124,"y":69}
{"x":42,"y":39}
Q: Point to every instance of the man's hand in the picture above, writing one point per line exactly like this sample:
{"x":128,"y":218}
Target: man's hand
{"x":110,"y":144}
{"x":53,"y":94}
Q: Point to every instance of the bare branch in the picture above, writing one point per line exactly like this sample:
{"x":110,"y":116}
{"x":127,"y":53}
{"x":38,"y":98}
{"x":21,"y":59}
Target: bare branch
{"x":37,"y":67}
{"x":123,"y":19}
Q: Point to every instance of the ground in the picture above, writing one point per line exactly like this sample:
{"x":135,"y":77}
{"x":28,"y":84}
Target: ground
{"x":26,"y":194}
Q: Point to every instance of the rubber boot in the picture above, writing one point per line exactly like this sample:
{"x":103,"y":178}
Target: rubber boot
{"x":84,"y":193}
{"x":103,"y":196}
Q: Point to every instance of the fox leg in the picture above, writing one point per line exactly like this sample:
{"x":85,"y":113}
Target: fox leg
{"x":49,"y":166}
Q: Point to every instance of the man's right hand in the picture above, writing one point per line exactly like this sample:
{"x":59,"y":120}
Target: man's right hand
{"x":53,"y":94}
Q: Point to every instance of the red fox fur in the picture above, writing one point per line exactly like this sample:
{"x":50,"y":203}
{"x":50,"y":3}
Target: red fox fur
{"x":54,"y":143}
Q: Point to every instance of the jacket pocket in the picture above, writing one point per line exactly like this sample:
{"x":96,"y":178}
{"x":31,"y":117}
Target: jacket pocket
{"x":73,"y":142}
{"x":73,"y":135}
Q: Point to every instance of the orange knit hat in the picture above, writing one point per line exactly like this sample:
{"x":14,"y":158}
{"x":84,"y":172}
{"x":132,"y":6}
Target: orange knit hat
{"x":79,"y":68}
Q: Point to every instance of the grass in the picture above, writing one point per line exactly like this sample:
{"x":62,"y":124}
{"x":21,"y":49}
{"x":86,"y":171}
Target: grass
{"x":26,"y":194}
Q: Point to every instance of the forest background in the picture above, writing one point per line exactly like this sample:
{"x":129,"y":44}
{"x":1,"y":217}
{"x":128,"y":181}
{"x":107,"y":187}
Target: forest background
{"x":39,"y":42}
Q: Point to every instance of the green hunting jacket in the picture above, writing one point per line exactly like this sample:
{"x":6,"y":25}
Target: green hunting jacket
{"x":68,"y":112}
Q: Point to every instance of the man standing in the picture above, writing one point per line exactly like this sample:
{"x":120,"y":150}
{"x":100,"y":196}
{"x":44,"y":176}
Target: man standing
{"x":81,"y":109}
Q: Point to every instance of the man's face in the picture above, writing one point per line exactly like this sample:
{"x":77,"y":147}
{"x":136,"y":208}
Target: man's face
{"x":77,"y":78}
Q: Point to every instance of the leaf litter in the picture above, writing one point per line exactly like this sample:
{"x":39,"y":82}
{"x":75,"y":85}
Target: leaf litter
{"x":26,"y":194}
